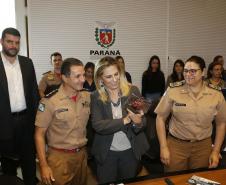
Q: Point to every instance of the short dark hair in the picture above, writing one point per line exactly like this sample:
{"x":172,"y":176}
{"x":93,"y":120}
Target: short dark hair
{"x":11,"y":31}
{"x":211,"y":66}
{"x":67,"y":64}
{"x":89,"y":65}
{"x":198,"y":60}
{"x":55,"y":54}
{"x":216,"y":58}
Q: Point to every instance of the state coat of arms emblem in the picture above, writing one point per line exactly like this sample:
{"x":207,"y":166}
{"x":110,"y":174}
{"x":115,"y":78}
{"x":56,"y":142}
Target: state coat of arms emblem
{"x":105,"y":35}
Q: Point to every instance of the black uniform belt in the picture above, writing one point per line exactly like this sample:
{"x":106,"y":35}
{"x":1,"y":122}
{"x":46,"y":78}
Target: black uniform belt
{"x":184,"y":140}
{"x":67,"y":150}
{"x":19,"y":113}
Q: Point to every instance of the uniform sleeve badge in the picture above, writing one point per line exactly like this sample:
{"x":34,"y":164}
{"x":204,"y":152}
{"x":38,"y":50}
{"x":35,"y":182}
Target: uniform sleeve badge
{"x":41,"y":107}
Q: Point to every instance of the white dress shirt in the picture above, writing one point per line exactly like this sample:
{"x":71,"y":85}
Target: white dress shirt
{"x":15,"y":84}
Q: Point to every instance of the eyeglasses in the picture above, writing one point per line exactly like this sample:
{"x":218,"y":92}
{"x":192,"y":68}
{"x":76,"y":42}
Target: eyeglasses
{"x":191,"y":71}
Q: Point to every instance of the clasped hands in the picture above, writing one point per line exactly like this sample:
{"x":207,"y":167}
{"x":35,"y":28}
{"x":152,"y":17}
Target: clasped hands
{"x":135,"y":118}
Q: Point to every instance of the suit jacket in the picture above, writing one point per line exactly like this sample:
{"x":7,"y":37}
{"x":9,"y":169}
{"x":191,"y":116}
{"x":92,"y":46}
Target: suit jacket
{"x":31,"y":97}
{"x":105,"y":127}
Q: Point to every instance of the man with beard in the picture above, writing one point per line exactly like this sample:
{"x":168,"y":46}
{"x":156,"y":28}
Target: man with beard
{"x":19,"y":100}
{"x":51,"y":80}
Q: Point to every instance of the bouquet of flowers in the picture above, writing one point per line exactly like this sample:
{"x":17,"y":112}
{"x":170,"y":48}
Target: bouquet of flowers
{"x":137,"y":104}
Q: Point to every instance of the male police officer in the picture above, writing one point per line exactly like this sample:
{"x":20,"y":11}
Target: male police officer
{"x":61,"y":121}
{"x":51,"y":80}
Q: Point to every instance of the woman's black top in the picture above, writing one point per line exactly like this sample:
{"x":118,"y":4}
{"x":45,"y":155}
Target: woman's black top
{"x":88,"y":87}
{"x":153,"y":82}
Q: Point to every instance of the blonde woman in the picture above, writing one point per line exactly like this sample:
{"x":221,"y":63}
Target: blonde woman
{"x":119,"y":139}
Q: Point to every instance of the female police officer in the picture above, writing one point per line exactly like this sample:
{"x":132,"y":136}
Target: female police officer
{"x":193,"y":106}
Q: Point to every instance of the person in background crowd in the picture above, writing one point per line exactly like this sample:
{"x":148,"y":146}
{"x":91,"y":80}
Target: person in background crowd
{"x":61,"y":124}
{"x":153,"y":80}
{"x":214,"y":77}
{"x":193,"y":105}
{"x":119,"y":140}
{"x":89,"y":84}
{"x":51,"y":80}
{"x":220,"y":59}
{"x":177,"y":74}
{"x":19,"y":101}
{"x":214,"y":74}
{"x":121,"y":63}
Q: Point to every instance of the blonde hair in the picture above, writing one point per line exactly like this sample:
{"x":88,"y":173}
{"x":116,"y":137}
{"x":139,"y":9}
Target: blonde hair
{"x":100,"y":66}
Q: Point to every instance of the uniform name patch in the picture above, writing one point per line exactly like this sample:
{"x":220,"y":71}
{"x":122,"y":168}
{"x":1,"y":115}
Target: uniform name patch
{"x":41,"y":107}
{"x":62,"y":110}
{"x":180,"y":104}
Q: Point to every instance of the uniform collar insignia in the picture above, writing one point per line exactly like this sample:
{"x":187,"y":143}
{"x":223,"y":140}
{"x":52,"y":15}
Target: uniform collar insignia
{"x":184,"y":91}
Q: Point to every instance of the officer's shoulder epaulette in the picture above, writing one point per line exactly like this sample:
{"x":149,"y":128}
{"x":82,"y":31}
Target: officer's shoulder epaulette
{"x":85,"y":92}
{"x":177,"y":84}
{"x":51,"y":93}
{"x":218,"y":88}
{"x":46,"y":72}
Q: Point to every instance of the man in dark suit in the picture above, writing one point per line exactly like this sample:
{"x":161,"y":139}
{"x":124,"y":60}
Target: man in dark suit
{"x":19,"y":100}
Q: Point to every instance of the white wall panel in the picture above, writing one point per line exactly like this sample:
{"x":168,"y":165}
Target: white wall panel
{"x":69,"y":26}
{"x":170,"y":29}
{"x":196,"y":27}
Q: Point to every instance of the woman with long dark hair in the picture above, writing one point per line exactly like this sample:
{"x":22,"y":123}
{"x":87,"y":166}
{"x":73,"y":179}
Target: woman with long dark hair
{"x":153,"y":80}
{"x":89,"y":84}
{"x":177,"y":74}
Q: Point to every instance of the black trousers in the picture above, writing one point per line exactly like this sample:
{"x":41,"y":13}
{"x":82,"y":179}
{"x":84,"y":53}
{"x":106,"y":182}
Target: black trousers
{"x":20,"y":150}
{"x":117,"y":166}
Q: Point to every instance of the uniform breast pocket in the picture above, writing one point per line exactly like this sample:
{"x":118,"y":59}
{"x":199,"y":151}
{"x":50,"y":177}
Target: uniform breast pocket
{"x":61,"y":117}
{"x":208,"y":112}
{"x":182,"y":108}
{"x":184,"y":114}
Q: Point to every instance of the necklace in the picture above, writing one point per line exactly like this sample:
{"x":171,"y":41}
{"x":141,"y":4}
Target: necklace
{"x":117,"y":103}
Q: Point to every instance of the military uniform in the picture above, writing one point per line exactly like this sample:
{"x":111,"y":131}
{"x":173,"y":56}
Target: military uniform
{"x":190,"y":126}
{"x":49,"y":82}
{"x":65,"y":120}
{"x":221,"y":84}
